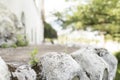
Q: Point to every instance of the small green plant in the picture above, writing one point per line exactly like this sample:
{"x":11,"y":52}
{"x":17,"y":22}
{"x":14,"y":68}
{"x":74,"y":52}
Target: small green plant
{"x":14,"y":46}
{"x":21,"y":41}
{"x":4,"y":46}
{"x":33,"y":59}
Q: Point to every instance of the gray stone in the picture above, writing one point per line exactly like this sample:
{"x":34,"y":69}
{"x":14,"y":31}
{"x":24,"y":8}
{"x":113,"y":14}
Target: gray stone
{"x":23,"y":72}
{"x":4,"y":72}
{"x":110,"y":59}
{"x":88,"y":63}
{"x":94,"y":66}
{"x":60,"y":66}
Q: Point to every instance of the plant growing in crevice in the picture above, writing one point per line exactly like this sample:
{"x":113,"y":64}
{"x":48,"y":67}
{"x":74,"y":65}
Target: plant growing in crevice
{"x":34,"y":64}
{"x":33,"y":58}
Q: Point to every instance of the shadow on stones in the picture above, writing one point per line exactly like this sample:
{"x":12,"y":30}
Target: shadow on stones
{"x":12,"y":68}
{"x":76,"y":78}
{"x":38,"y":69}
{"x":105,"y":75}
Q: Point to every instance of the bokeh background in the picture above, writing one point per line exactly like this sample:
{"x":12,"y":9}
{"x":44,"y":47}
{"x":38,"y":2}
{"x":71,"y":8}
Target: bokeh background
{"x":85,"y":22}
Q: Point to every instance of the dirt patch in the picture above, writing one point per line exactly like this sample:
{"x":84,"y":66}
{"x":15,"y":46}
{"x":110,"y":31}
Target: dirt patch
{"x":21,"y":54}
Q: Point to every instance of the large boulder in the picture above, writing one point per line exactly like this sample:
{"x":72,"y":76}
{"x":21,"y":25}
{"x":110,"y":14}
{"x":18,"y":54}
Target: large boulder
{"x":94,"y":66}
{"x":60,"y":66}
{"x":10,"y":27}
{"x":4,"y":72}
{"x":110,"y":59}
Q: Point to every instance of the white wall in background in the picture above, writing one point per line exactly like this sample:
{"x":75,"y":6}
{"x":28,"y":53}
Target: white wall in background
{"x":27,"y":11}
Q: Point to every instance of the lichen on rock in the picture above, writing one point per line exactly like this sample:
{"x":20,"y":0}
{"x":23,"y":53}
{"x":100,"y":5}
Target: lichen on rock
{"x":23,"y":72}
{"x":91,"y":63}
{"x":59,"y":66}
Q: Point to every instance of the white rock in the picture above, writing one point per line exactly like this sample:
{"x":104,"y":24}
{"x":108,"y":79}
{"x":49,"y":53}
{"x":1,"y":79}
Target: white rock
{"x":110,"y":59}
{"x":24,"y":72}
{"x":4,"y":72}
{"x":60,"y":66}
{"x":94,"y":66}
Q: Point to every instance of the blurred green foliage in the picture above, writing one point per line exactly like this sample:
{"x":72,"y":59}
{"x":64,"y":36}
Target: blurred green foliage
{"x":21,"y":41}
{"x":118,"y":69}
{"x":49,"y":32}
{"x":14,"y":46}
{"x":102,"y":15}
{"x":4,"y":46}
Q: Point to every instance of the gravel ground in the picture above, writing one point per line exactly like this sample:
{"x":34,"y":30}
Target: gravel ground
{"x":21,"y":54}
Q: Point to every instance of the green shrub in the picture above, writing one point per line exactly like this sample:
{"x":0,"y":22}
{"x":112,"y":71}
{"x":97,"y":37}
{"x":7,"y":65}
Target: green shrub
{"x":21,"y":41}
{"x":49,"y":32}
{"x":33,"y":59}
{"x":117,"y":54}
{"x":14,"y":46}
{"x":118,"y":73}
{"x":4,"y":46}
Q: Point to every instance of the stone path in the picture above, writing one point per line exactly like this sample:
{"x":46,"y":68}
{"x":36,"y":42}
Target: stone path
{"x":22,"y":54}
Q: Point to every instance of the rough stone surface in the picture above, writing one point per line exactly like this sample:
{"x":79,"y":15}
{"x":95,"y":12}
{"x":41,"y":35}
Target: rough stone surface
{"x":110,"y":59}
{"x":88,"y":63}
{"x":23,"y":72}
{"x":60,"y":66}
{"x":4,"y":72}
{"x":10,"y":27}
{"x":94,"y":66}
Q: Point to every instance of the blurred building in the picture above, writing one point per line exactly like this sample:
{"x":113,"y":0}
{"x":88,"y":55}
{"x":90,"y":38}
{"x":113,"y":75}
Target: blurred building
{"x":28,"y":12}
{"x":83,"y":38}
